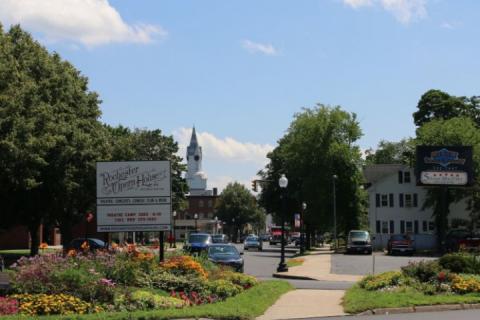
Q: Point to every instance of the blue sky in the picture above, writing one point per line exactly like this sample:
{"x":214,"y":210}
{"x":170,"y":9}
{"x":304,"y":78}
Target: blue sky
{"x":239,"y":70}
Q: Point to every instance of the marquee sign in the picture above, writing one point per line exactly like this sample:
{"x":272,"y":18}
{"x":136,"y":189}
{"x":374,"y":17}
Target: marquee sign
{"x":133,"y":196}
{"x":444,"y":166}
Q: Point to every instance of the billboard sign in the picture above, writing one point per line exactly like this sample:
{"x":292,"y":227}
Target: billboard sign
{"x":444,"y":166}
{"x":134,"y":196}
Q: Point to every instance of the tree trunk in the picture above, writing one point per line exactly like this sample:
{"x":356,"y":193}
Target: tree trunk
{"x":66,"y":232}
{"x":35,"y":241}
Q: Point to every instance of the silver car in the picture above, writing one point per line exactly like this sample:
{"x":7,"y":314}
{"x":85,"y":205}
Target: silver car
{"x":253,"y":242}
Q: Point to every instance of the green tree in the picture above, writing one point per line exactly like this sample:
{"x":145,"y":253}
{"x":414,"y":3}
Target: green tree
{"x":238,"y":207}
{"x":50,"y":135}
{"x":457,"y":132}
{"x":402,"y":152}
{"x":436,"y":104}
{"x":319,"y":143}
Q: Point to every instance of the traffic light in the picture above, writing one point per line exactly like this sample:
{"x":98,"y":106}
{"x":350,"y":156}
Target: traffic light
{"x":254,"y":185}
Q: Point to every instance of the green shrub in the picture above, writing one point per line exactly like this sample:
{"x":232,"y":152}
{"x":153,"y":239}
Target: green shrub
{"x":423,"y":271}
{"x":243,"y":280}
{"x":224,"y":288}
{"x":145,"y":300}
{"x":170,"y":282}
{"x":460,"y":263}
{"x":387,"y":279}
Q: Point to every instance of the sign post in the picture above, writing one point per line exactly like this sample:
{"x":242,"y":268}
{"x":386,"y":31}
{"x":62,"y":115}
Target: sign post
{"x":134,"y":196}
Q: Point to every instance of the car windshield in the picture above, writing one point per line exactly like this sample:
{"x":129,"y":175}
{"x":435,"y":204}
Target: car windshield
{"x":359,"y":234}
{"x":223,"y":250}
{"x":198,"y":238}
{"x":252,"y":238}
{"x":217,"y":237}
{"x":399,"y":237}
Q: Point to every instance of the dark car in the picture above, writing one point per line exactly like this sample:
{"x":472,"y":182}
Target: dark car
{"x":226,"y":254}
{"x":94,"y":244}
{"x":400,"y":243}
{"x":253,"y":242}
{"x":462,"y":239}
{"x":219,"y":238}
{"x":359,"y":241}
{"x":265,"y":237}
{"x":197,"y":242}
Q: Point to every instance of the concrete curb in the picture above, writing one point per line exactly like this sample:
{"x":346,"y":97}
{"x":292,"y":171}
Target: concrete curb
{"x":432,"y":308}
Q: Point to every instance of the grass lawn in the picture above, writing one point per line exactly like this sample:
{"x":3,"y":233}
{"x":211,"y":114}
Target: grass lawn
{"x":247,"y":305}
{"x":294,"y":262}
{"x":357,"y":300}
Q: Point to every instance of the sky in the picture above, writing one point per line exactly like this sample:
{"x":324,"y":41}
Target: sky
{"x":239,"y":70}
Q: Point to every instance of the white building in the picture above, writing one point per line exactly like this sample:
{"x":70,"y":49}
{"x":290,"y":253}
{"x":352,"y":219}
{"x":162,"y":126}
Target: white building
{"x":395,"y":206}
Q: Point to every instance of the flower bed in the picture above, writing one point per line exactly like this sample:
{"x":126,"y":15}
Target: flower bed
{"x":125,"y":279}
{"x":426,"y":282}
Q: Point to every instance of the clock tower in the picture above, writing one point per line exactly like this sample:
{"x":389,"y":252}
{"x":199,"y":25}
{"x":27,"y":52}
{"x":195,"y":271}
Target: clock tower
{"x":196,"y":178}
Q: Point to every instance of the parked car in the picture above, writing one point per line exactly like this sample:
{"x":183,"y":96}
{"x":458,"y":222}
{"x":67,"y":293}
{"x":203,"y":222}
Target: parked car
{"x":462,"y":239}
{"x":359,"y":241}
{"x":253,"y":242}
{"x":226,"y":254}
{"x":93,"y":243}
{"x":220,"y":238}
{"x":197,"y":242}
{"x":400,"y":243}
{"x":265,"y":237}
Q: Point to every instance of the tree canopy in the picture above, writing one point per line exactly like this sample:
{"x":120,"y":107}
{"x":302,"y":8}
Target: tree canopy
{"x":238,"y":207}
{"x":402,"y":152}
{"x":319,"y":143}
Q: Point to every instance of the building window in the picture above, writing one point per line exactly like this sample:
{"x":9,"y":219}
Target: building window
{"x":384,"y":226}
{"x":377,"y":200}
{"x":210,"y":203}
{"x":384,"y":200}
{"x":200,"y":203}
{"x":392,"y":226}
{"x":390,"y":196}
{"x":400,"y":200}
{"x":415,"y":226}
{"x":415,"y":200}
{"x":400,"y":177}
{"x":406,"y":177}
{"x":408,"y":200}
{"x":409,"y":227}
{"x":424,"y":226}
{"x":402,"y":227}
{"x":378,"y":226}
{"x":431,"y":226}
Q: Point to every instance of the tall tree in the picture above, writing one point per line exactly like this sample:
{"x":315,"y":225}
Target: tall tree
{"x":319,"y":144}
{"x":236,"y":205}
{"x":436,"y":104}
{"x":49,"y":132}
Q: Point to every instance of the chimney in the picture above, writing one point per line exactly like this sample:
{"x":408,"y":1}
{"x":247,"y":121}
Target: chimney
{"x":215,"y":191}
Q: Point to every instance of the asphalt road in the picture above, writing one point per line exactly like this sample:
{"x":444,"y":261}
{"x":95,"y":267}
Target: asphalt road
{"x":363,"y":264}
{"x":444,"y":315}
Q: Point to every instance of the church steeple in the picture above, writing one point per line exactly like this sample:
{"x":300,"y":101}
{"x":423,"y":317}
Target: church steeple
{"x":196,"y":178}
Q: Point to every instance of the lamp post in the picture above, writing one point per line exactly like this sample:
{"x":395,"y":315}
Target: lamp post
{"x":174,"y":235}
{"x":216,"y":225}
{"x":283,"y":183}
{"x":334,"y":178}
{"x":302,"y":229}
{"x":234,"y":238}
{"x":195,"y":216}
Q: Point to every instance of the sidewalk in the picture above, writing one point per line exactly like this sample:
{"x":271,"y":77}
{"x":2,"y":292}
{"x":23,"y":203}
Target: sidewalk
{"x":299,"y":304}
{"x":316,"y":266}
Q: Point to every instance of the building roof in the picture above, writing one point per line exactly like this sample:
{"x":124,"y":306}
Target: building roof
{"x":375,"y":172}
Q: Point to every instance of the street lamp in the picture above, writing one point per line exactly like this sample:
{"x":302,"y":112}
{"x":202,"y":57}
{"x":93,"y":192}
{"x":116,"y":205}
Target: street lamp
{"x":283,"y":183}
{"x":174,"y":235}
{"x":216,"y":225}
{"x":302,"y":229}
{"x":334,"y":178}
{"x":195,"y":216}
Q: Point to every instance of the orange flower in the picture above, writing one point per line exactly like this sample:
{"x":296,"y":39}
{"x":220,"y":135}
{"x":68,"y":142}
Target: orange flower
{"x":71,"y":253}
{"x":85,"y":246}
{"x":43,"y":245}
{"x":114,"y":245}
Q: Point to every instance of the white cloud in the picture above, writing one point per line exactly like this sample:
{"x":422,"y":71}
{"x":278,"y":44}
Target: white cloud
{"x":89,"y":22}
{"x":226,"y":160}
{"x":256,"y":47}
{"x":404,"y":11}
